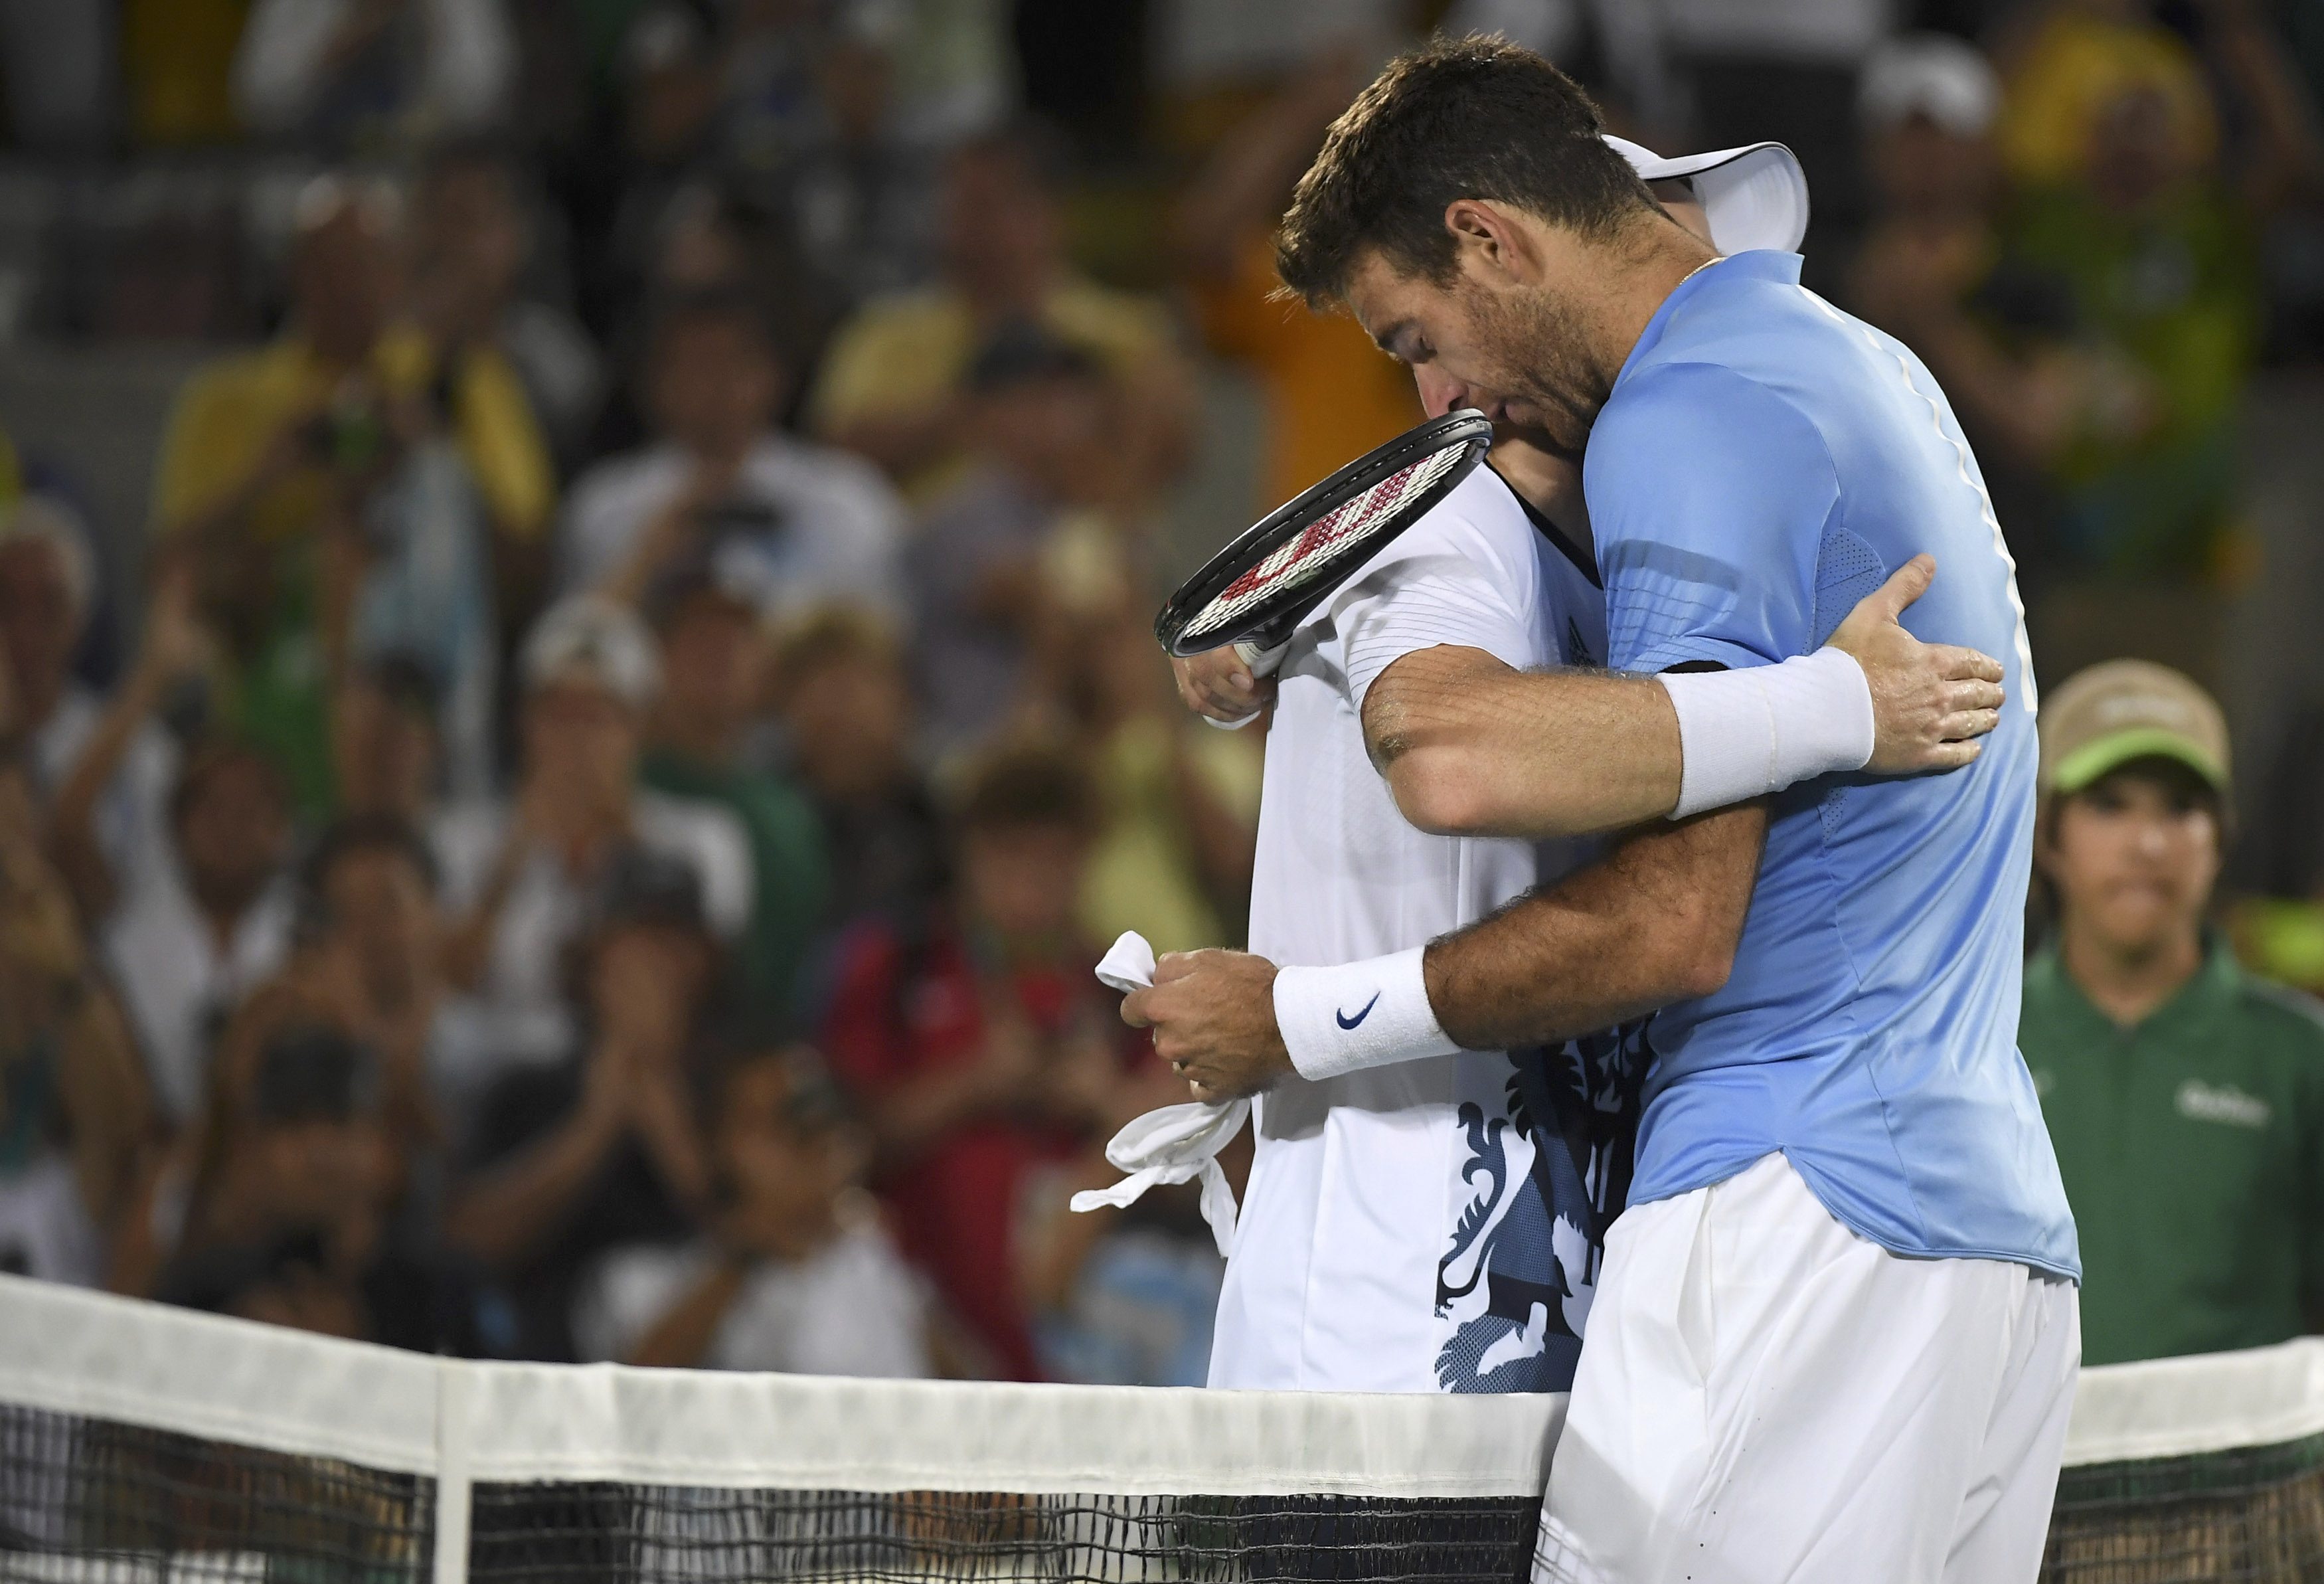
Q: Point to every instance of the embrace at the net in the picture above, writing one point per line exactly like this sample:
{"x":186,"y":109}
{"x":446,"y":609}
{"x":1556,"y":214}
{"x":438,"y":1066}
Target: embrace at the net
{"x":680,"y":900}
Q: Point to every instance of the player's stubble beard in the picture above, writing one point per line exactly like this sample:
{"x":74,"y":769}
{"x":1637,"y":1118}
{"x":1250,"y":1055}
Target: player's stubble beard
{"x":1538,"y":346}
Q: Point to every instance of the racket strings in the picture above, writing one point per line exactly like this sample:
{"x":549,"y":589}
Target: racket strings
{"x":1321,"y":543}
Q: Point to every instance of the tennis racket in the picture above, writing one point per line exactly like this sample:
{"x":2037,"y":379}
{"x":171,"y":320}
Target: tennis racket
{"x":1252,"y":593}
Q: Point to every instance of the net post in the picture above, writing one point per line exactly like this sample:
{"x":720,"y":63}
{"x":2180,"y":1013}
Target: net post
{"x":453,"y":1486}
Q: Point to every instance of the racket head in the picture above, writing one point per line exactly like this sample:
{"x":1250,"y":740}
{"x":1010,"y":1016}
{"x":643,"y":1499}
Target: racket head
{"x":1274,"y":571}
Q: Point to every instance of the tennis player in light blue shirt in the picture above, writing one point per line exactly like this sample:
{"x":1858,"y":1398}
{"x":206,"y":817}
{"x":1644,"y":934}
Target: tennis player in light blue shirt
{"x":1761,"y":464}
{"x":1835,"y":1335}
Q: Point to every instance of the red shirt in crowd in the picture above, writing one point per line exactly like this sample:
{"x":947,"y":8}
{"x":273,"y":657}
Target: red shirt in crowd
{"x":902,"y":1008}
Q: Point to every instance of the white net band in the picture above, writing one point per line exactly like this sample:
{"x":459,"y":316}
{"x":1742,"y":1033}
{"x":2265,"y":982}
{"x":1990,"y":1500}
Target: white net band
{"x":87,"y":1353}
{"x":143,"y":1443}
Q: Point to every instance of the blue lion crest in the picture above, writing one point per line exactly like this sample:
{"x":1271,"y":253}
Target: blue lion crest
{"x":1535,"y":1244}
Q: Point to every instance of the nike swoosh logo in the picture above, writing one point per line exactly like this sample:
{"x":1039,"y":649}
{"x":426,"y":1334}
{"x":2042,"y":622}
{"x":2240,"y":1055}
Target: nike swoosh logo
{"x":1348,"y":1022}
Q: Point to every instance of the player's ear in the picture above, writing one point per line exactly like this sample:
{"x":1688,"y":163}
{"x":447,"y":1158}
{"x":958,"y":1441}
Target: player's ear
{"x":1487,"y":238}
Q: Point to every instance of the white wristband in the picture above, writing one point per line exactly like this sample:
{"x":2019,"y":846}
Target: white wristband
{"x":1359,"y":1014}
{"x":1743,"y":733}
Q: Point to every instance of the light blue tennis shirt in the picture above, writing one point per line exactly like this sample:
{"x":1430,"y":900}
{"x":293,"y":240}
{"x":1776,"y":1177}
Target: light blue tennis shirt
{"x":1762,"y":463}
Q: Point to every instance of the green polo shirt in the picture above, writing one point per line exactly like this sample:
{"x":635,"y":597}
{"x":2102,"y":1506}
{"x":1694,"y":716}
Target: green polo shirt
{"x":793,"y":874}
{"x":2192,"y":1149}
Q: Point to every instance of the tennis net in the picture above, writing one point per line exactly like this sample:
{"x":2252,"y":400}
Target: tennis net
{"x":146,"y":1444}
{"x":2209,"y":1469}
{"x":150,"y":1445}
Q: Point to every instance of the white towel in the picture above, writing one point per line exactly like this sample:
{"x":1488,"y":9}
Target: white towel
{"x":1177,"y":1142}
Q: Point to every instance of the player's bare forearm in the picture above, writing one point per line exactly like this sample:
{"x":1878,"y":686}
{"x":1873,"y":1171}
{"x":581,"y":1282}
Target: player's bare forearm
{"x":1470,"y":746}
{"x":1655,"y":921}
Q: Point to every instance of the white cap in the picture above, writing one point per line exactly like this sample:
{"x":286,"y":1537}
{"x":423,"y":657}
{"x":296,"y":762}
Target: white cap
{"x":588,"y":638}
{"x":53,"y":523}
{"x":1755,"y":197}
{"x":1945,"y":78}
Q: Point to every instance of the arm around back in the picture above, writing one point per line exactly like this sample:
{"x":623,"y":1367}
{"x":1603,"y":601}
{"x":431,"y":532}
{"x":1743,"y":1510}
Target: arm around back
{"x":1470,"y":746}
{"x":1655,"y":921}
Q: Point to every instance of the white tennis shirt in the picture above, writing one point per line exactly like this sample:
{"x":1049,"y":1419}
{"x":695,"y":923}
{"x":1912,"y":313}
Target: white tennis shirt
{"x":1407,"y":1228}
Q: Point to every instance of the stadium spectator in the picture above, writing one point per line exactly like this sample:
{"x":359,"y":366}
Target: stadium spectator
{"x":302,"y":1213}
{"x":1122,"y":1297}
{"x":713,"y":662}
{"x":702,"y":238}
{"x":602,"y":1150}
{"x":2110,"y":125}
{"x":1998,"y":331}
{"x":794,"y":1271}
{"x":371,"y":77}
{"x":1042,"y":413}
{"x":1744,"y":71}
{"x":750,"y":86}
{"x":1330,"y":394}
{"x":210,"y":922}
{"x":100,"y":769}
{"x":519,"y":875}
{"x":386,"y":760}
{"x":892,"y":383}
{"x":476,"y":256}
{"x":981,"y":1048}
{"x":861,"y":193}
{"x":665,"y":201}
{"x":794,"y":522}
{"x":798,"y":115}
{"x":75,"y":1110}
{"x":367,"y":965}
{"x":844,"y":696}
{"x":335,"y":490}
{"x":2186,"y":1098}
{"x":669,"y":66}
{"x":1179,"y":801}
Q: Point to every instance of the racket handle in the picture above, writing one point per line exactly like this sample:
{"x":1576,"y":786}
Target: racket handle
{"x":1262,"y":664}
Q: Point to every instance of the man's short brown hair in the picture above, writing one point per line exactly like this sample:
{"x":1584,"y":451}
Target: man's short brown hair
{"x":1473,"y":117}
{"x":1028,"y":781}
{"x":829,"y":632}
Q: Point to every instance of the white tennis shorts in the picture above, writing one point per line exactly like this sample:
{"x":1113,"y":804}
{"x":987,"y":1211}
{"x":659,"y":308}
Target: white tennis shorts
{"x":1765,"y":1395}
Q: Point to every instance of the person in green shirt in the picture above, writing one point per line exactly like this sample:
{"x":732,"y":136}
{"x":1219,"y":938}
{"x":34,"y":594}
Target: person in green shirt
{"x":2185,"y":1098}
{"x":713,"y":661}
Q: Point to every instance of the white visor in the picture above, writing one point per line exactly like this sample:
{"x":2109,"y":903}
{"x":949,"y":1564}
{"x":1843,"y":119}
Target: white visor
{"x":1754,"y":196}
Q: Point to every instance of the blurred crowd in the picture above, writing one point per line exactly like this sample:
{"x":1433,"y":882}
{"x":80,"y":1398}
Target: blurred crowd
{"x":578,"y":823}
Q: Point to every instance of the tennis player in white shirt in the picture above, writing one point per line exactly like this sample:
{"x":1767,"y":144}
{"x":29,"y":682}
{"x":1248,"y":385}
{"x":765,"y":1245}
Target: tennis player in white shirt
{"x":1436,"y":1224}
{"x":1425,"y":1226}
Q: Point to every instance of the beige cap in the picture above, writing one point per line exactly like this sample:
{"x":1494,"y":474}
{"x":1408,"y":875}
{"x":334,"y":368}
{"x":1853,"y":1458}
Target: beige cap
{"x":2124,"y":709}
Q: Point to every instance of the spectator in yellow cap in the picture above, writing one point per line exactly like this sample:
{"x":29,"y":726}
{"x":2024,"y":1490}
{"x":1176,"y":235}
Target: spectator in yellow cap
{"x":2185,"y":1098}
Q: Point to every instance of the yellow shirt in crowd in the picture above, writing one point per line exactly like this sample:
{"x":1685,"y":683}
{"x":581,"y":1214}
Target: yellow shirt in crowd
{"x":231,"y":411}
{"x":2075,"y":66}
{"x":177,"y":66}
{"x":1330,"y":394}
{"x":1142,"y":875}
{"x":906,"y":353}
